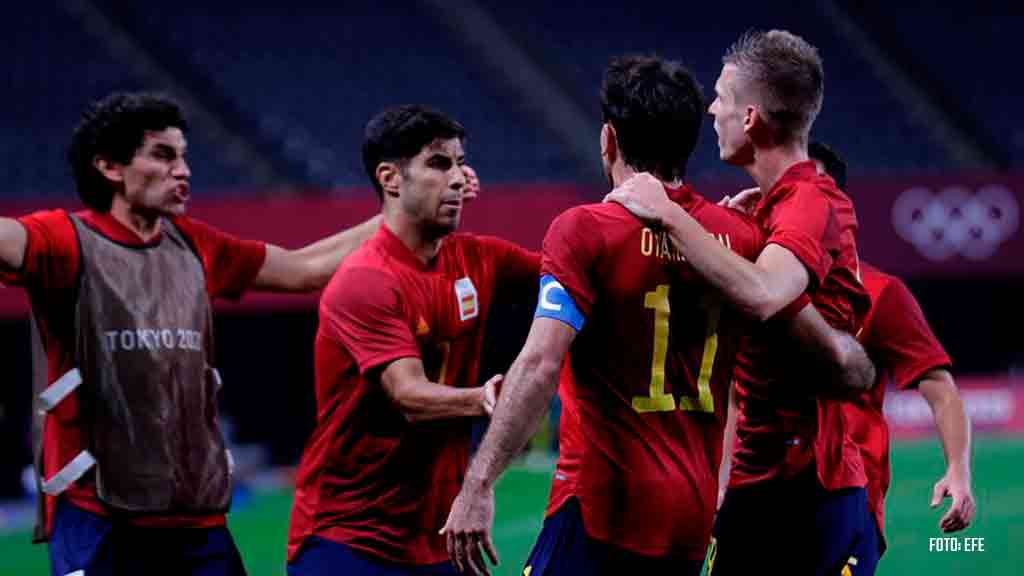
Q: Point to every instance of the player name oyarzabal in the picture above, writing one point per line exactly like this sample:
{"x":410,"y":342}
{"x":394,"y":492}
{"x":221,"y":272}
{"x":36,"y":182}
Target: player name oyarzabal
{"x":657,"y":243}
{"x":153,"y":339}
{"x":955,"y":544}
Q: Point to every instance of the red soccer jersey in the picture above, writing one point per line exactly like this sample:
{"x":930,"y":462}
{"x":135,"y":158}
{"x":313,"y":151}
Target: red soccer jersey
{"x":782,"y":427}
{"x":904,"y":348}
{"x":368,"y":478}
{"x":50,"y":274}
{"x":645,"y":389}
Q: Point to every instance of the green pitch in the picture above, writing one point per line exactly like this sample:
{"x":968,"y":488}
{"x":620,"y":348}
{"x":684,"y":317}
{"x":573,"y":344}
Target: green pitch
{"x":261,"y":526}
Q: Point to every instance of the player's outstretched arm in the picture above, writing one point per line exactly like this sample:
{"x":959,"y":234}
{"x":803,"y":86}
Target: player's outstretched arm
{"x":954,"y":427}
{"x":310,"y":268}
{"x":420,"y":399}
{"x":13,"y":241}
{"x":838,"y":352}
{"x":530,"y":384}
{"x":758,"y":289}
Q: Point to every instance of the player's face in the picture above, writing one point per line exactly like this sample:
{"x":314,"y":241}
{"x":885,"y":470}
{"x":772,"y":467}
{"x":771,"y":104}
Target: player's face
{"x":156,"y":180}
{"x":730,"y":114}
{"x":432,"y":185}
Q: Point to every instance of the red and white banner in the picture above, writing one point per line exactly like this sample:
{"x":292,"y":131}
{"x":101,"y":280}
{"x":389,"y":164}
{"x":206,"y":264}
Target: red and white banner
{"x":993,"y":405}
{"x":914,"y":226}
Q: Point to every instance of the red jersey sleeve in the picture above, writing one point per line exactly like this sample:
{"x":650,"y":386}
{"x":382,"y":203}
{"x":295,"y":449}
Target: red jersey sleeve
{"x":51,"y":259}
{"x":901,"y":338}
{"x":362,"y":310}
{"x":571,"y":246}
{"x":517,"y":268}
{"x":231,"y":264}
{"x":804,"y":223}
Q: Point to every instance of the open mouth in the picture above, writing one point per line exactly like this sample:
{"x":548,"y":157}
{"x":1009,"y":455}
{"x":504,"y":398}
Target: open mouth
{"x":181,"y":192}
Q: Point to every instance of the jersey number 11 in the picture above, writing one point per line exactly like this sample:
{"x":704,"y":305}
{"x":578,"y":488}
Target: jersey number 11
{"x":658,"y":400}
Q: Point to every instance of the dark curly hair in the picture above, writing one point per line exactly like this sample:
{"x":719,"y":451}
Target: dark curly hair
{"x":656,"y":107}
{"x":398,"y":133}
{"x":114,"y":128}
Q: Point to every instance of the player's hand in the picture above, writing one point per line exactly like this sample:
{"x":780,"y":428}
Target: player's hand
{"x":643,"y":195}
{"x":744,"y":201}
{"x":472,"y":188}
{"x":468,"y":529}
{"x":955,"y":485}
{"x":491,"y":391}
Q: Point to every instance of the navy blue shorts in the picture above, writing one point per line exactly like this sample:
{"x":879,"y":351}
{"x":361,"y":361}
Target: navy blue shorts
{"x":794,"y":527}
{"x":84,"y":542}
{"x":564,"y":547}
{"x":319,"y":556}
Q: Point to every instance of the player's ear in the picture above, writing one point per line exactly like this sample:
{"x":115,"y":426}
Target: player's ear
{"x":389,"y":176}
{"x":609,"y":143}
{"x":110,"y":170}
{"x":755,"y":125}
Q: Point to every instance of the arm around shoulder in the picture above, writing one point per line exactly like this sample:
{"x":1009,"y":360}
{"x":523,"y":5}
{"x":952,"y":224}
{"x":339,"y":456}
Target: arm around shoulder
{"x":847,"y":361}
{"x":311,"y":267}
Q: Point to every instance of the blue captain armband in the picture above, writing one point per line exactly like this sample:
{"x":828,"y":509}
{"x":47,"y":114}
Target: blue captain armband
{"x":554,"y":302}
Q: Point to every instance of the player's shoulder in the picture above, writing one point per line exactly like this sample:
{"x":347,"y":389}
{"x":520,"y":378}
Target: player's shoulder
{"x":196,"y":231}
{"x":472,"y":247}
{"x":369,"y":259}
{"x":737,"y":230}
{"x":362,"y":277}
{"x":883,"y":287}
{"x":802,"y":187}
{"x":51,"y":231}
{"x":594,"y":217}
{"x":57,"y":218}
{"x":468,"y":240}
{"x":872,"y":275}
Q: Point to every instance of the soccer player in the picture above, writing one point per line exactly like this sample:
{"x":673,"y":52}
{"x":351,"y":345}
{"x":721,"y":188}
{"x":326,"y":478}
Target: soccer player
{"x":908,"y":355}
{"x":133,"y":466}
{"x":650,"y":352}
{"x":795,"y":459}
{"x":397,"y":356}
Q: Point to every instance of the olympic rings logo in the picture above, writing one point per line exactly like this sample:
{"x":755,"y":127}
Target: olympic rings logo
{"x":955,"y":221}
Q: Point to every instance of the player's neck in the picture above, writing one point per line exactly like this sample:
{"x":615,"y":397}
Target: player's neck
{"x":771,"y":163}
{"x":145,"y":224}
{"x":416,"y":238}
{"x":622,"y":172}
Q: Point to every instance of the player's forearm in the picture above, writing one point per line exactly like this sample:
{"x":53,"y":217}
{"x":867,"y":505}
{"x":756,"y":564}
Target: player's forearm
{"x":951,"y":421}
{"x":425,"y":400}
{"x":529,"y":386}
{"x":324,"y":256}
{"x":743,"y":283}
{"x":837,"y":352}
{"x":310,"y":268}
{"x":13,"y":241}
{"x":852,"y":368}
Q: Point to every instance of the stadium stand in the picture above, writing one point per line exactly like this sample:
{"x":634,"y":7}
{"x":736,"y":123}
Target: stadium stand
{"x":576,"y":38}
{"x":54,"y":69}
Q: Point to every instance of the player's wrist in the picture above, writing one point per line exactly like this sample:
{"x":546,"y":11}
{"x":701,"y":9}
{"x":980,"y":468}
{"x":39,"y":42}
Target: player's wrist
{"x":476,"y":482}
{"x":959,"y":471}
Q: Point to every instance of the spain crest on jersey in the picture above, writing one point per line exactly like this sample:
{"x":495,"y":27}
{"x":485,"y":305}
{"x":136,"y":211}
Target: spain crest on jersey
{"x":466,"y":299}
